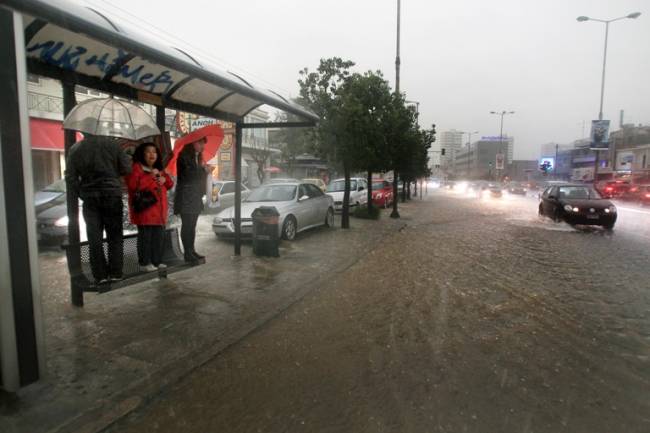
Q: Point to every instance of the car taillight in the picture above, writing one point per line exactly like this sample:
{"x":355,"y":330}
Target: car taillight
{"x":647,"y":195}
{"x":634,"y":189}
{"x":609,"y":188}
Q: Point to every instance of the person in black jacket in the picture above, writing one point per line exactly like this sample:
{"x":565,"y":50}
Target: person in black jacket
{"x":93,"y":169}
{"x":190,"y":188}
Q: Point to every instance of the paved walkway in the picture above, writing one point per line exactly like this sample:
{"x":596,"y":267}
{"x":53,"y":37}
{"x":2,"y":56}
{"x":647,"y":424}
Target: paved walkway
{"x":124,"y":347}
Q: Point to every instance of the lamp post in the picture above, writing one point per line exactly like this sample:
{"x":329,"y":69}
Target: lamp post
{"x":633,"y":15}
{"x":469,"y":143}
{"x":502,"y":114}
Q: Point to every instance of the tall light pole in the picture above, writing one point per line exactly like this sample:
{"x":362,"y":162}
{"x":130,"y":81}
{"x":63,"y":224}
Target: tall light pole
{"x":633,"y":15}
{"x":469,"y":143}
{"x":502,"y":114}
{"x":395,"y":212}
{"x":397,"y":59}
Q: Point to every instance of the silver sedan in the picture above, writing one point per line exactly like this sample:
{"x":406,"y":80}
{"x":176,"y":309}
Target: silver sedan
{"x":301,"y":207}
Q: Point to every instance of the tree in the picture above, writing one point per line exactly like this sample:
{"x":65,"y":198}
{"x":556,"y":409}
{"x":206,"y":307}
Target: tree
{"x":320,"y":90}
{"x":397,"y":129}
{"x":365,"y":102}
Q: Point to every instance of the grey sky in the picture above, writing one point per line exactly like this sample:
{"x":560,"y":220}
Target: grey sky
{"x":460,"y":59}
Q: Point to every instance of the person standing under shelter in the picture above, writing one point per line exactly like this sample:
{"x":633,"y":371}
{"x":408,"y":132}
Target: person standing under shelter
{"x":148,"y":177}
{"x":93,"y":169}
{"x":190,"y":189}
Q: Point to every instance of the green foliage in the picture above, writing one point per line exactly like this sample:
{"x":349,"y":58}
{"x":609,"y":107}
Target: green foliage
{"x":374,"y":213}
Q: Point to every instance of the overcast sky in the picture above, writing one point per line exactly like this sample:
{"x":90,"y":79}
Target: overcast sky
{"x":461,"y":59}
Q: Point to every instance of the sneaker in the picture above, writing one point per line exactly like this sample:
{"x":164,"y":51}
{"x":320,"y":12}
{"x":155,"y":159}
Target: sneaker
{"x":115,"y":278}
{"x":197,"y":255}
{"x":162,"y":266}
{"x":191,"y":260}
{"x":147,"y":268}
{"x":101,"y":282}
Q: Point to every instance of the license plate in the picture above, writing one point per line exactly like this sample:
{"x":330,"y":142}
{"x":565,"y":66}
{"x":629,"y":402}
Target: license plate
{"x":592,"y":217}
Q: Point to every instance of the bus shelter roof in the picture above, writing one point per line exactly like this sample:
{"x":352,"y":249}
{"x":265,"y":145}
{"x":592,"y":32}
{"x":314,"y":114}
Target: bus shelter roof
{"x":78,"y":44}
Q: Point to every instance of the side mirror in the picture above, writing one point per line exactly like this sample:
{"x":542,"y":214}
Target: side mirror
{"x":303,"y":198}
{"x":552,"y":197}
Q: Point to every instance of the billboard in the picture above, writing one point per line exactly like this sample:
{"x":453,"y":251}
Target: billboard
{"x":599,"y":134}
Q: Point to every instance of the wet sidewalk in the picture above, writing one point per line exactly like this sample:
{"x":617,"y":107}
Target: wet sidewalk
{"x":124,"y":347}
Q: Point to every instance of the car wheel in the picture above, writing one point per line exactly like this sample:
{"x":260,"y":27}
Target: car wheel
{"x":289,"y":228}
{"x":540,"y":211}
{"x":557,"y":216}
{"x":608,"y":227}
{"x":329,"y":218}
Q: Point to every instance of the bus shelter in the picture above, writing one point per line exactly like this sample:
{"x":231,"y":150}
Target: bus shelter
{"x":81,"y":46}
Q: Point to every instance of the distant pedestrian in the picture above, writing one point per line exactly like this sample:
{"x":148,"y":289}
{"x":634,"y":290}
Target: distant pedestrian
{"x":94,"y":167}
{"x":190,"y":188}
{"x":149,"y":214}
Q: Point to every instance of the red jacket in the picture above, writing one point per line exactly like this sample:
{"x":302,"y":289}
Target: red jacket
{"x":139,"y":179}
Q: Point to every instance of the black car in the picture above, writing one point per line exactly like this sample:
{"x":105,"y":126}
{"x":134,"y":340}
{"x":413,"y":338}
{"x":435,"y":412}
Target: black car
{"x":577,"y":205}
{"x":516,"y":188}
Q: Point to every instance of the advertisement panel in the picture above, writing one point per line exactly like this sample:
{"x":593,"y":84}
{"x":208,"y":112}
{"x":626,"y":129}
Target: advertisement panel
{"x":624,"y":161}
{"x":599,"y":134}
{"x":500,"y":161}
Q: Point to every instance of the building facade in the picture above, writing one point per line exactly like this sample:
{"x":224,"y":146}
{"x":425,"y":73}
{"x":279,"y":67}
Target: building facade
{"x":451,"y":141}
{"x":479,"y":159}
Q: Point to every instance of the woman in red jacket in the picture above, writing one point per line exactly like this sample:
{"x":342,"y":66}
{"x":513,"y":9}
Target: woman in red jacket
{"x":148,"y":175}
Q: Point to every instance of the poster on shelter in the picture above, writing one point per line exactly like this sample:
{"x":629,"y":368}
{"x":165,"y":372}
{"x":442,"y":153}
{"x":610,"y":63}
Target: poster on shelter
{"x":599,"y":134}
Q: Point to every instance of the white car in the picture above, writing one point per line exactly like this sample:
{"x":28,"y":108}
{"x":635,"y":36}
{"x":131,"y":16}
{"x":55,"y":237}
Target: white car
{"x":301,"y":206}
{"x":358,"y":192}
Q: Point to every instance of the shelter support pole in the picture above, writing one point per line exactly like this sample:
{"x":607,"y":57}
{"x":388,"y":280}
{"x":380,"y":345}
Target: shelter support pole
{"x":21,"y":336}
{"x":160,"y":123}
{"x":72,"y":202}
{"x":238,"y":146}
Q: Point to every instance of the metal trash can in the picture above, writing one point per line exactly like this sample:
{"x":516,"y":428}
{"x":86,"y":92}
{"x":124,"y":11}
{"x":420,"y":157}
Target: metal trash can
{"x":266,"y":239}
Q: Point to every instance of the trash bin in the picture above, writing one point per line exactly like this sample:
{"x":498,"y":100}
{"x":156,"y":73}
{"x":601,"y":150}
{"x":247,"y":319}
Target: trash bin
{"x":266,"y":240}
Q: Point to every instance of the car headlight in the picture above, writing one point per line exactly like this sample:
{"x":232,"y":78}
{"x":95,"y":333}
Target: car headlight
{"x":611,"y":209}
{"x":62,"y":222}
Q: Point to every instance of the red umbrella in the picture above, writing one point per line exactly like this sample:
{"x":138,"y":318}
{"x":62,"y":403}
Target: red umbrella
{"x":214,"y":137}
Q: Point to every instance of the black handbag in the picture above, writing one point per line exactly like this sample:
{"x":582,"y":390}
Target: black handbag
{"x":143,"y":199}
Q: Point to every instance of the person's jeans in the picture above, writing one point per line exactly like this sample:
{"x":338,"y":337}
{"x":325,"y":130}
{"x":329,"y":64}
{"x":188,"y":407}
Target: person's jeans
{"x":188,"y":232}
{"x":104,"y":214}
{"x":150,"y":245}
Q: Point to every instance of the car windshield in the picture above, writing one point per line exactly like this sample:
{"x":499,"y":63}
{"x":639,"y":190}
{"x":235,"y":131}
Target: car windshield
{"x":578,"y":193}
{"x":273,"y":193}
{"x":58,"y":186}
{"x":339,"y":185}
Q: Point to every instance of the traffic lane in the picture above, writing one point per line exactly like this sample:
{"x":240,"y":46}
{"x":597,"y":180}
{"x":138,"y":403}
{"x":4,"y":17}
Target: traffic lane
{"x":603,"y":276}
{"x":633,"y":222}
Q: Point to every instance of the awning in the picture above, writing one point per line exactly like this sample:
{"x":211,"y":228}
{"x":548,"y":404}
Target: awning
{"x":66,"y":40}
{"x":46,"y":134}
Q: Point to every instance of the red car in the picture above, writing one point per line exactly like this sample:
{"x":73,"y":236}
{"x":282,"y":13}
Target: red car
{"x":382,"y":193}
{"x":613,"y":189}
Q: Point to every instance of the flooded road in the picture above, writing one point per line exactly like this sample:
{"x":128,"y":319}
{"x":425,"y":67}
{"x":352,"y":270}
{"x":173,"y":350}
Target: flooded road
{"x":477,"y":317}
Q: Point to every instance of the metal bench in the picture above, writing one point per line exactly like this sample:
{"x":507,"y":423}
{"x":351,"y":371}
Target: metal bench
{"x":81,"y":280}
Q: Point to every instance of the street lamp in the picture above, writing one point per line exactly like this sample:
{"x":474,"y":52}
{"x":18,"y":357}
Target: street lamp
{"x":633,"y":15}
{"x":469,"y":143}
{"x":502,"y":114}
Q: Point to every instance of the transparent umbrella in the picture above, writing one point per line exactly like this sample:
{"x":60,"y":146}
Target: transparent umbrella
{"x":111,"y":118}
